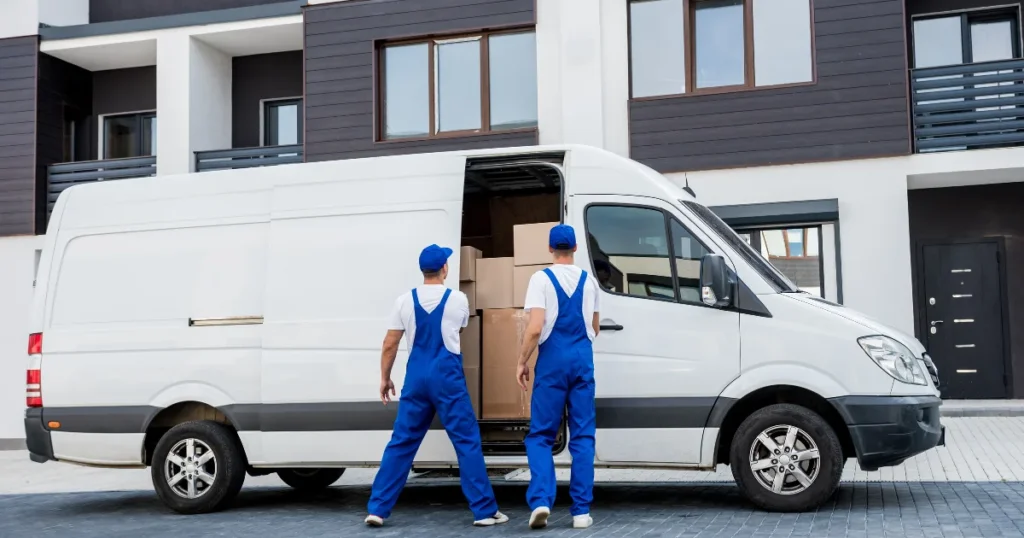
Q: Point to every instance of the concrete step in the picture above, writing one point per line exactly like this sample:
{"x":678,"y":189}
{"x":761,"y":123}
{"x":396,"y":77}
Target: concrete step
{"x":982,"y":408}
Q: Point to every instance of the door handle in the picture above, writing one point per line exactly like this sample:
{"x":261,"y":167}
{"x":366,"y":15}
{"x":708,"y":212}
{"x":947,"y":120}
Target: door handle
{"x":610,"y":325}
{"x":934,"y":323}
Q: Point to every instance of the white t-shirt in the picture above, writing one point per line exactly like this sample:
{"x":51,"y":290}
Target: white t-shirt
{"x":455,"y":317}
{"x":541,"y":294}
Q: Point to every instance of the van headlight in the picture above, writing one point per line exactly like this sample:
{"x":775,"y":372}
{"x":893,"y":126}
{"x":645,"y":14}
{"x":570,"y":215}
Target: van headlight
{"x":894,"y":358}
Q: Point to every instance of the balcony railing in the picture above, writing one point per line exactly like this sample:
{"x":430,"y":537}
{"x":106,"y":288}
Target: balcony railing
{"x":64,"y":175}
{"x":968,"y":106}
{"x":247,"y":157}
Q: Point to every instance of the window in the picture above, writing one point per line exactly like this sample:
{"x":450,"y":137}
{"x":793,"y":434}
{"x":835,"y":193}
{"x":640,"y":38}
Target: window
{"x":977,"y":36}
{"x":129,"y":135}
{"x":795,"y":252}
{"x":631,"y":253}
{"x":700,"y":46}
{"x":282,"y":122}
{"x":689,"y":254}
{"x":464,"y":85}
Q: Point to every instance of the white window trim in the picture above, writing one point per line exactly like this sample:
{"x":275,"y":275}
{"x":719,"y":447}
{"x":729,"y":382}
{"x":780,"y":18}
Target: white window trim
{"x":103,"y":122}
{"x":263,"y":113}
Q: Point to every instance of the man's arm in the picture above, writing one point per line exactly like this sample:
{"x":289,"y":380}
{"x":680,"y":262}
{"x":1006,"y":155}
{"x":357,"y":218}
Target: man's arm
{"x":596,"y":322}
{"x":388,"y":353}
{"x":533,"y":329}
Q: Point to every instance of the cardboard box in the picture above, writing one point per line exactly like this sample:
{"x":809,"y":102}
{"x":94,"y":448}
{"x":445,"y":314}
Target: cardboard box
{"x":530,"y":243}
{"x":501,"y":395}
{"x":473,"y":384}
{"x":469,"y":288}
{"x":494,"y":283}
{"x":467,"y":263}
{"x":521,"y":280}
{"x":469,"y":343}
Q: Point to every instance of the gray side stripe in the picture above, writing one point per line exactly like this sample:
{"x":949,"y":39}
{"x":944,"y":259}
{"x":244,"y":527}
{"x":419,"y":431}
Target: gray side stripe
{"x":612,"y":413}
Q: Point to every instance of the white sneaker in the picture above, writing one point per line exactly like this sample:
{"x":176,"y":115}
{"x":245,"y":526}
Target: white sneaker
{"x":374,"y":521}
{"x":497,"y":519}
{"x":583,"y":521}
{"x":539,"y":517}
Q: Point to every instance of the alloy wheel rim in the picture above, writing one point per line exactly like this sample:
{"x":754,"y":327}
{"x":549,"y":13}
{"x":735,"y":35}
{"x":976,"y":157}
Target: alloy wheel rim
{"x":190,"y":468}
{"x":785,"y":460}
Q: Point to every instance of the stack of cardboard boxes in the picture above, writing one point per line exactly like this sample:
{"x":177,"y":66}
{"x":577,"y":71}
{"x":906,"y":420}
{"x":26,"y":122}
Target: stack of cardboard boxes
{"x":498,"y":288}
{"x":470,"y":339}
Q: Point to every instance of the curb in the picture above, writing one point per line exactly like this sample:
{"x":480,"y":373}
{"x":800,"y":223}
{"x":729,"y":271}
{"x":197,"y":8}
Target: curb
{"x":982,"y":412}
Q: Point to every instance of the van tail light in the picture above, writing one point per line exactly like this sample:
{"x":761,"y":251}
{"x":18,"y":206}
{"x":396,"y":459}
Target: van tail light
{"x":34,"y":388}
{"x":35,"y":344}
{"x":34,"y":375}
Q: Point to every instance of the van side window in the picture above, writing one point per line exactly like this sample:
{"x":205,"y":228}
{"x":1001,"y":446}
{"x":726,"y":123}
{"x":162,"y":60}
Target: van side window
{"x":630,"y":250}
{"x":689,"y":253}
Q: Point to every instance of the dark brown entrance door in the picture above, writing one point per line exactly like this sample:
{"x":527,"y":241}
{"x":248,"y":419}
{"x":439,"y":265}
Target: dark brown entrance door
{"x":963,"y":318}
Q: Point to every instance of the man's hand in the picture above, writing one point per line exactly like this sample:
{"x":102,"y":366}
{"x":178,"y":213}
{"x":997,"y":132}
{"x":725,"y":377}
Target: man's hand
{"x":523,"y":376}
{"x":387,"y":390}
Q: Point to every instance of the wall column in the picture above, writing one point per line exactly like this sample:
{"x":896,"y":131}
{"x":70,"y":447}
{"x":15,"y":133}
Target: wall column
{"x":193,"y":95}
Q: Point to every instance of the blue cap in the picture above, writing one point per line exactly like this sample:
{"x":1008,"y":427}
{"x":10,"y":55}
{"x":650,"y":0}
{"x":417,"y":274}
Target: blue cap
{"x":562,"y":237}
{"x":433,"y":258}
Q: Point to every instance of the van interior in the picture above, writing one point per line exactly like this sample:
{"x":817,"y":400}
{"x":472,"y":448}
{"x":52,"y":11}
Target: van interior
{"x":500,"y":193}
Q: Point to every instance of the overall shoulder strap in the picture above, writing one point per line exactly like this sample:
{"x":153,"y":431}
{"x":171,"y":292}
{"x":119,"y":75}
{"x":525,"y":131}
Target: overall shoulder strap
{"x":559,"y":292}
{"x":444,"y":301}
{"x":581,"y":285}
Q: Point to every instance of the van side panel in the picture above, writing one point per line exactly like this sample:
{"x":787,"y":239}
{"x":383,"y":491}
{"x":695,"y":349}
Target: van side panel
{"x":341,"y":253}
{"x":118,"y":346}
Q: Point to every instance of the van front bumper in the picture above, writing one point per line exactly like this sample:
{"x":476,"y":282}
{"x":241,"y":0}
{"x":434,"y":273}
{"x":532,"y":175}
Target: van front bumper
{"x":37,"y":437}
{"x":887,"y":430}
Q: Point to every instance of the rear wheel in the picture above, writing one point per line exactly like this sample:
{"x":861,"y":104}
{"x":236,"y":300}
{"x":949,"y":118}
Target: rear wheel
{"x":786,"y":458}
{"x":310,"y":479}
{"x":198,"y":467}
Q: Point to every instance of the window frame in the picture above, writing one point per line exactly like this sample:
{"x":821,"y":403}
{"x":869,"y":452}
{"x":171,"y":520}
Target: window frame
{"x":690,"y":60}
{"x":139,"y":115}
{"x":380,"y":84}
{"x":267,"y":104}
{"x":667,"y":218}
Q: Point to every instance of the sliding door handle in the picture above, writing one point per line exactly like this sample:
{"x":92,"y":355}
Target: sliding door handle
{"x":610,"y":325}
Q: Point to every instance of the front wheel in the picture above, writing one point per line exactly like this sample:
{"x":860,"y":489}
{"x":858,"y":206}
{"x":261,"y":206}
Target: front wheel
{"x":786,"y":458}
{"x":198,"y":467}
{"x":310,"y":479}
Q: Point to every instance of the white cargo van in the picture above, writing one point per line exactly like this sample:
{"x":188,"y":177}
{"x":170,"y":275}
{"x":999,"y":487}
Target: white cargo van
{"x":217,"y":324}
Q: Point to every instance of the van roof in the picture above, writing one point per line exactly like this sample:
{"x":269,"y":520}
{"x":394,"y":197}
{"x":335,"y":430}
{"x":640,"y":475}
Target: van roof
{"x":589,"y":170}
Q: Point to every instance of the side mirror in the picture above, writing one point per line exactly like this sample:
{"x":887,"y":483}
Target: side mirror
{"x":715,"y":289}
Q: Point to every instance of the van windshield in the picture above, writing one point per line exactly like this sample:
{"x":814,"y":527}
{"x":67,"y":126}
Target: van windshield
{"x":752,"y":257}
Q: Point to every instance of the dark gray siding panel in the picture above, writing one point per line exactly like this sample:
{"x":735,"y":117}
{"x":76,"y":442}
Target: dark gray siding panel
{"x":856,"y":109}
{"x":339,"y":69}
{"x":119,"y":10}
{"x":119,"y":91}
{"x":65,"y":91}
{"x":254,"y":78}
{"x":18,"y":58}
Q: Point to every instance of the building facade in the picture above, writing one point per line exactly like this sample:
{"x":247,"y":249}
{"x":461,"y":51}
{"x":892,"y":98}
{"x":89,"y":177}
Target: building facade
{"x":870,"y":150}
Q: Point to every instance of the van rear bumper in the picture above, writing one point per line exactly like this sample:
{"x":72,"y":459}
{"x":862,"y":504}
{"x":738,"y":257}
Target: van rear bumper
{"x":887,"y":430}
{"x":37,"y":437}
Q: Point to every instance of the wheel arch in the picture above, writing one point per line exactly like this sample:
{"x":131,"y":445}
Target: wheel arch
{"x":178,"y":413}
{"x":776,"y":394}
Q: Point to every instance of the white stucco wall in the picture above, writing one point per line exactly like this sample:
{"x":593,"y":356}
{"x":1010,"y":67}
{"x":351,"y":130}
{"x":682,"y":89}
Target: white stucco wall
{"x":19,"y":18}
{"x":582,"y":66}
{"x":17,"y":271}
{"x":873,"y":217}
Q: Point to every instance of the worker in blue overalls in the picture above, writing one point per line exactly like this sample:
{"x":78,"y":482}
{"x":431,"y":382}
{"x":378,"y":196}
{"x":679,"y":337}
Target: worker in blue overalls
{"x":563,"y":305}
{"x":431,"y":316}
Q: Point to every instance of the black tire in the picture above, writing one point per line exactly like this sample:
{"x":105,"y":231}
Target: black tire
{"x":227,"y":469}
{"x":823,"y":473}
{"x":310,"y":479}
